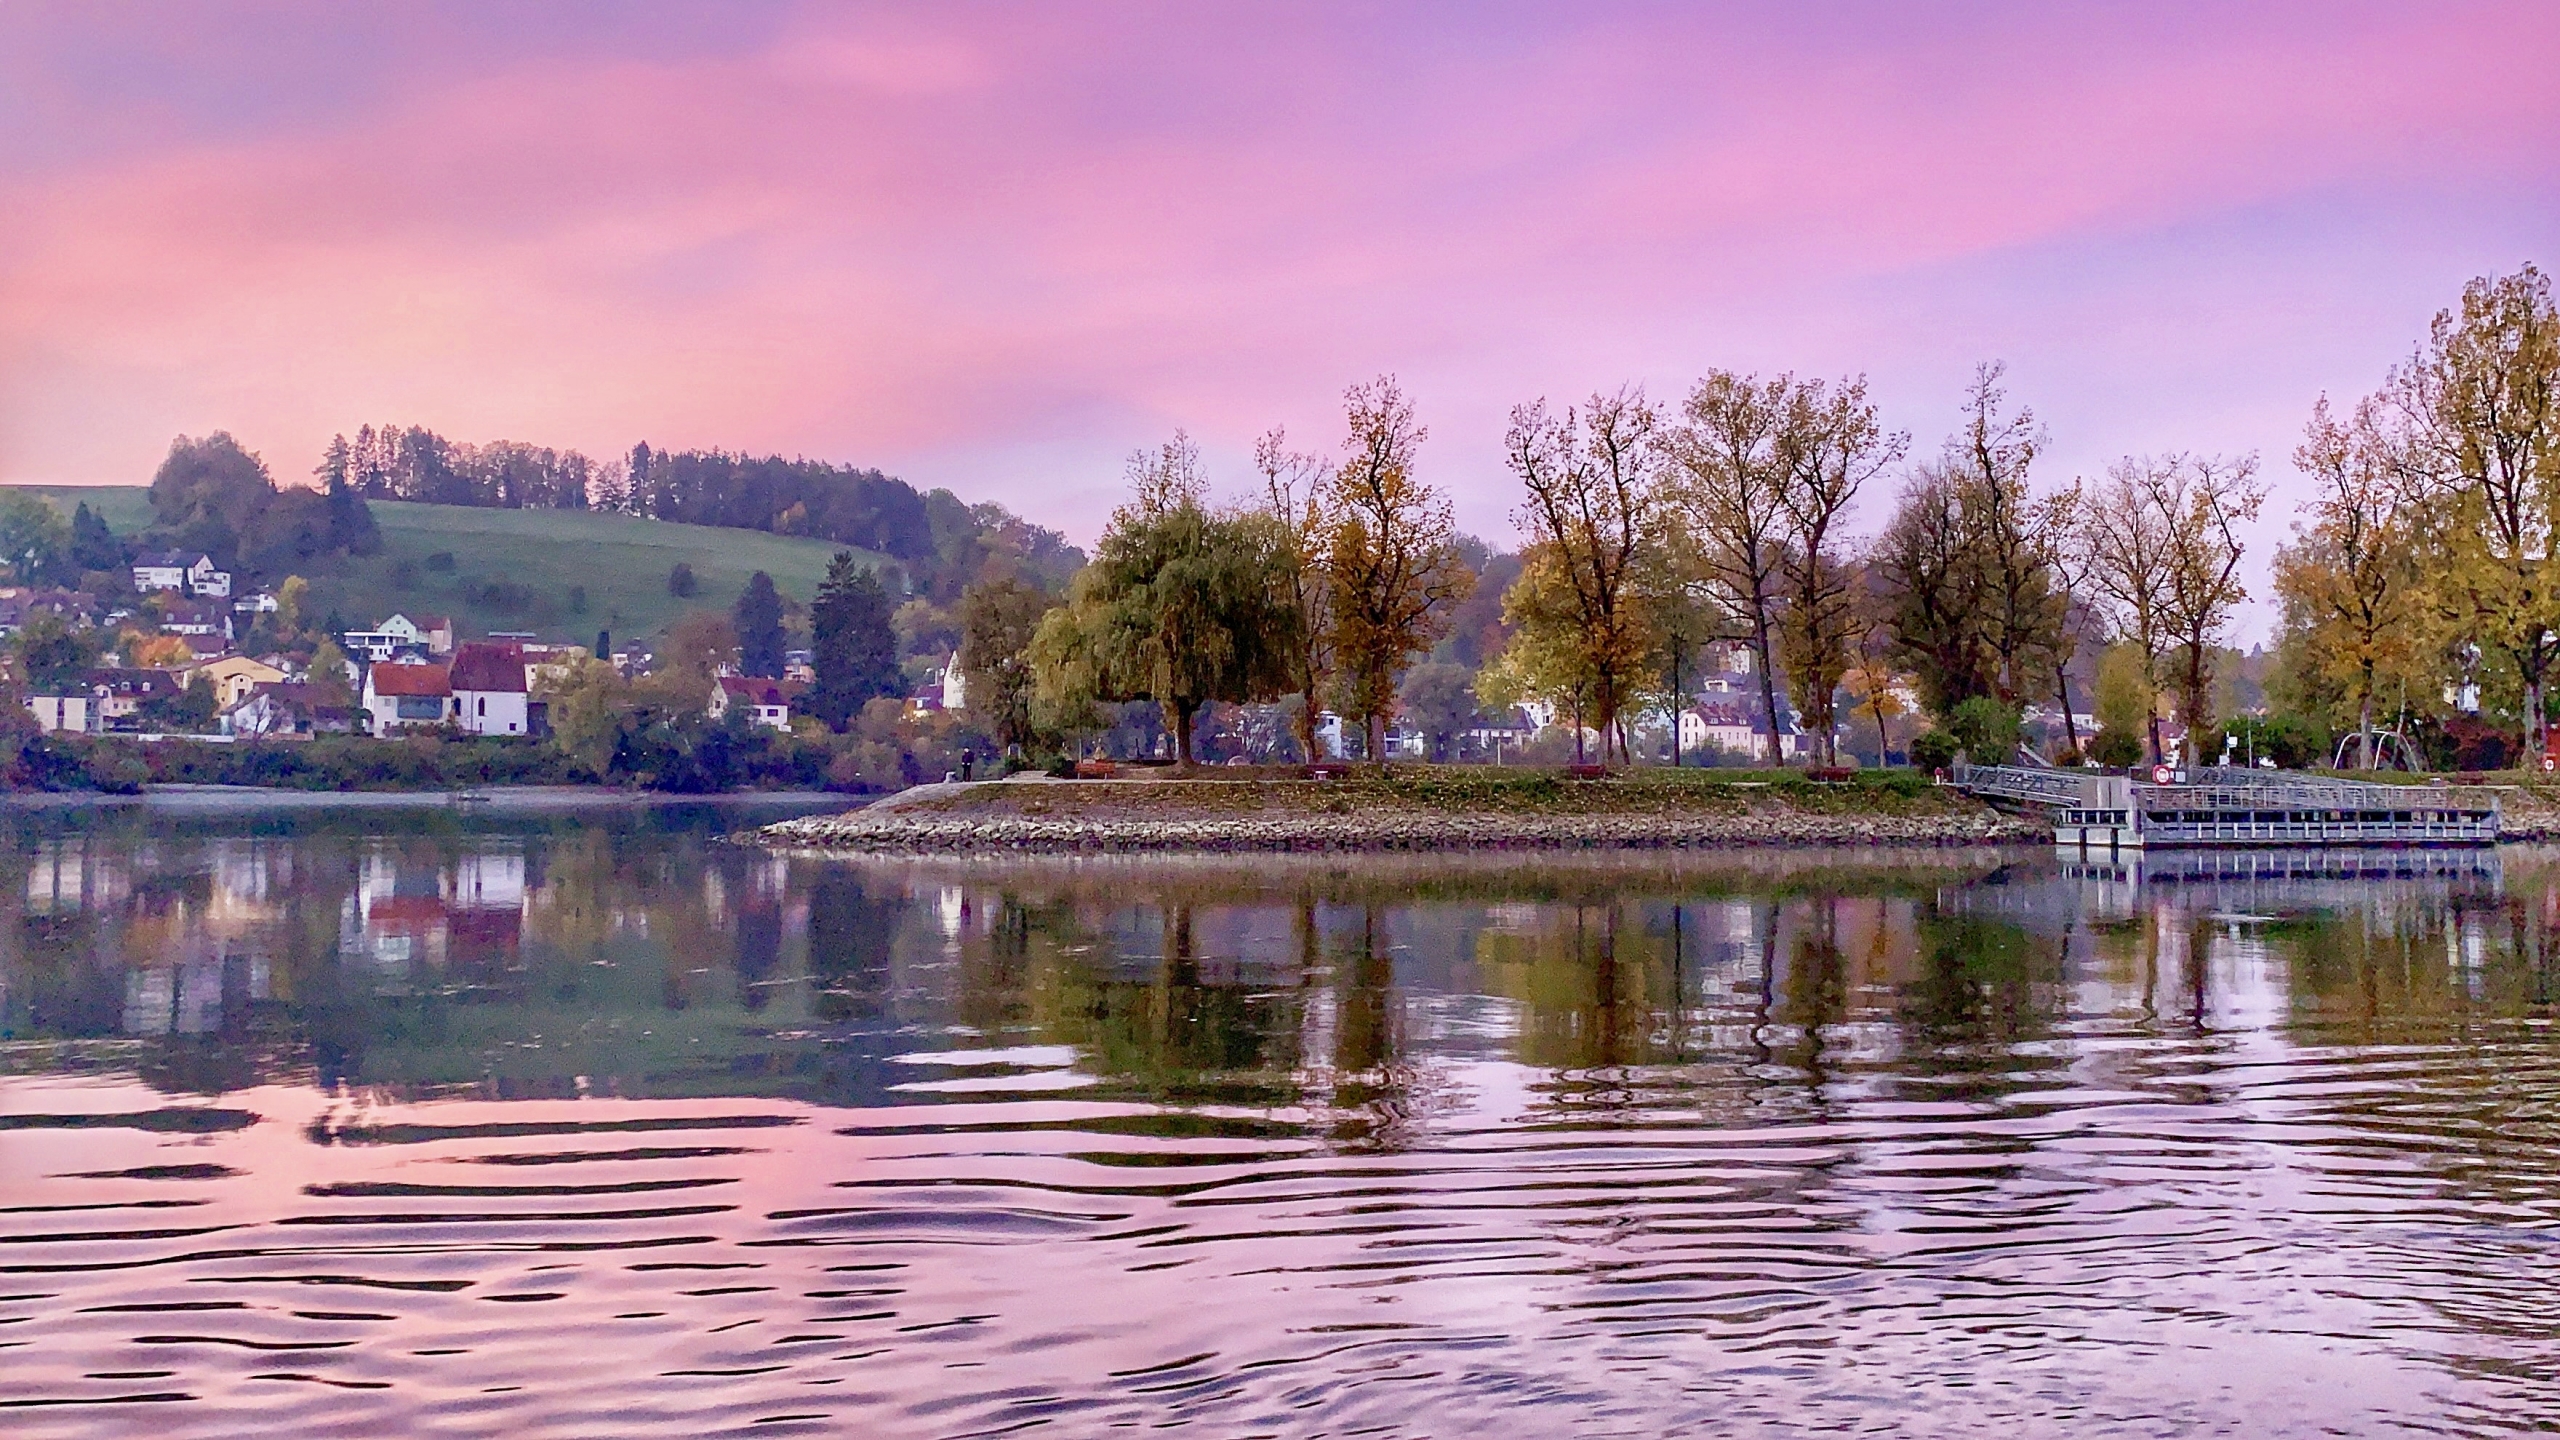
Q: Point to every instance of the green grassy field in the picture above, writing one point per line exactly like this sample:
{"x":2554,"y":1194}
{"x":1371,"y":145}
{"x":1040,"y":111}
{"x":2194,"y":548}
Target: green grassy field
{"x":527,"y":569}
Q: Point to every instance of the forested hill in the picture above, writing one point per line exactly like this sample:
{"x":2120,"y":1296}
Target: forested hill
{"x":943,"y":541}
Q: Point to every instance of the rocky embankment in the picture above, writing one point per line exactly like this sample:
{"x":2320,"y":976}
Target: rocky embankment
{"x":1422,"y":813}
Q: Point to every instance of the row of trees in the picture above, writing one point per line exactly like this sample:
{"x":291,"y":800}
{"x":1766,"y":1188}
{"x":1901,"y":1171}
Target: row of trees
{"x":2421,"y":567}
{"x":1652,"y":532}
{"x":1725,"y":520}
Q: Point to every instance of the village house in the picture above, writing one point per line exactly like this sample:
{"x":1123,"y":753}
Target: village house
{"x":426,"y":634}
{"x":234,"y":676}
{"x":768,"y":701}
{"x":1731,"y":728}
{"x":195,"y":617}
{"x":284,"y":709}
{"x":488,"y":685}
{"x":195,"y":574}
{"x":403,"y":696}
{"x":120,"y":693}
{"x":548,"y":664}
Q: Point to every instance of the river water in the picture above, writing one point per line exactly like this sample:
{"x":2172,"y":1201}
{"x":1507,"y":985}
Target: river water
{"x":597,"y":1125}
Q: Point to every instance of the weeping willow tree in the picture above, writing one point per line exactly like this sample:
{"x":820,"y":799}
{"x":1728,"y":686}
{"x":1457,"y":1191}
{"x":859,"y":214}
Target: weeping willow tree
{"x":1182,"y":605}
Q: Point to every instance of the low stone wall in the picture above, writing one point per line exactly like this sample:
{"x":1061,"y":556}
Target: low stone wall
{"x":913,"y":831}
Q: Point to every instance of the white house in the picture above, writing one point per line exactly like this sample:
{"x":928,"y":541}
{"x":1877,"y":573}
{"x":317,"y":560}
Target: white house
{"x":768,"y":701}
{"x":1730,"y":727}
{"x":955,"y":685}
{"x":431,"y":633}
{"x":178,"y":570}
{"x":398,"y":697}
{"x":63,"y":712}
{"x":489,"y":695}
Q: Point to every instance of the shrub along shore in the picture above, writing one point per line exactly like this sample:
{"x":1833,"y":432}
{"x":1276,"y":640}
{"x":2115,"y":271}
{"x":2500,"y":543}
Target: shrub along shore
{"x":1411,"y":808}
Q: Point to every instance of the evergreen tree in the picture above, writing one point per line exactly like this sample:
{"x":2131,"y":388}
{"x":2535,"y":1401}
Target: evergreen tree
{"x":351,"y":526}
{"x":93,"y":545}
{"x":854,"y":650}
{"x":758,"y":621}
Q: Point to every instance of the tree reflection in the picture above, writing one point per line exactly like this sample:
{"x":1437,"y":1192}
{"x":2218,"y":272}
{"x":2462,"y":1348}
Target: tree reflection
{"x":851,"y":935}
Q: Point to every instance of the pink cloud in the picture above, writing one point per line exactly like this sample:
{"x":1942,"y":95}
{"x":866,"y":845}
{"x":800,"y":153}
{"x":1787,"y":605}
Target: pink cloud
{"x":998,"y":249}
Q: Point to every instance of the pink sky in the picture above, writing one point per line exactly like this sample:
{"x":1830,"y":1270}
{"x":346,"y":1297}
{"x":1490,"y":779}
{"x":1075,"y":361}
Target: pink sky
{"x":997,"y":248}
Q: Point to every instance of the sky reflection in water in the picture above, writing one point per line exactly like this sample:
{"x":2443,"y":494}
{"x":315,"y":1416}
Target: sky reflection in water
{"x":432,"y":1126}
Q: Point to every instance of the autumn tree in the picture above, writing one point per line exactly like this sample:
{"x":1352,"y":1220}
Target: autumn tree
{"x":1730,"y":449}
{"x":2205,"y":500}
{"x":1391,"y":560}
{"x":1594,"y":512}
{"x":2127,"y":556}
{"x":2483,"y":399}
{"x":1294,"y":495}
{"x":1831,"y":447}
{"x":699,"y":646}
{"x":998,"y":619}
{"x":2347,"y":579}
{"x":2016,"y":536}
{"x":1930,"y":589}
{"x":1970,"y":565}
{"x":1548,"y":659}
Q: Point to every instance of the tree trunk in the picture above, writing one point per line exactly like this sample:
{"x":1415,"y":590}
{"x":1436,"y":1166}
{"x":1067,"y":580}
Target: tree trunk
{"x":2062,"y":684}
{"x":2533,"y":730}
{"x":1307,"y":725}
{"x":1884,"y":747}
{"x":1577,"y":727}
{"x":1605,"y":701}
{"x":2364,"y":729}
{"x":1182,"y":710}
{"x":1377,"y":731}
{"x":1768,"y":677}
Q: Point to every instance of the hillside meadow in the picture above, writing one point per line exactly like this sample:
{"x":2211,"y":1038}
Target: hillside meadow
{"x":563,"y":573}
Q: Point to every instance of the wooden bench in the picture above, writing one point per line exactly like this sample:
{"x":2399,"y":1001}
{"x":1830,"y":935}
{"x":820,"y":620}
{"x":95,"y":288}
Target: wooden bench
{"x":1831,"y":774}
{"x":1586,"y":772}
{"x":1096,"y":770}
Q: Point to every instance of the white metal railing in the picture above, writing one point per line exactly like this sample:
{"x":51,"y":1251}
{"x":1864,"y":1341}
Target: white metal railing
{"x":2017,"y":782}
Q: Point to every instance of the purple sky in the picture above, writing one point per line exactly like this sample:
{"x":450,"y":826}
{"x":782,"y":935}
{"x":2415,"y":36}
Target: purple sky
{"x":997,"y":248}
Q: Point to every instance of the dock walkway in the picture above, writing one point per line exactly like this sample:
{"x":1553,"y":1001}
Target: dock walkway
{"x":2229,"y":808}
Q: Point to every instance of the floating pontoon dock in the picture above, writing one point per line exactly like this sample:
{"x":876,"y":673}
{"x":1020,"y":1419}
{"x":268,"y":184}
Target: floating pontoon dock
{"x":2096,"y":814}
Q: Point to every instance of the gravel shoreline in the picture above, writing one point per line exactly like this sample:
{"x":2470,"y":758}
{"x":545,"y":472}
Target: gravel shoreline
{"x":905,"y":830}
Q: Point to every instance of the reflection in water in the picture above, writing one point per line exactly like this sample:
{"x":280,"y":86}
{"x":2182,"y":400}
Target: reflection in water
{"x":383,"y":1127}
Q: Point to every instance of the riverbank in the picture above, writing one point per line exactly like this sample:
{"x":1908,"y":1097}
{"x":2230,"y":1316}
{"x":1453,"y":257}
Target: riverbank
{"x":497,"y":799}
{"x":1411,"y":809}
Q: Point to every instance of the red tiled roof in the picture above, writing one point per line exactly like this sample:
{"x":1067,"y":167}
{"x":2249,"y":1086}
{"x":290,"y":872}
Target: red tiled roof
{"x":757,"y":690}
{"x":482,"y":666}
{"x":411,"y":680}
